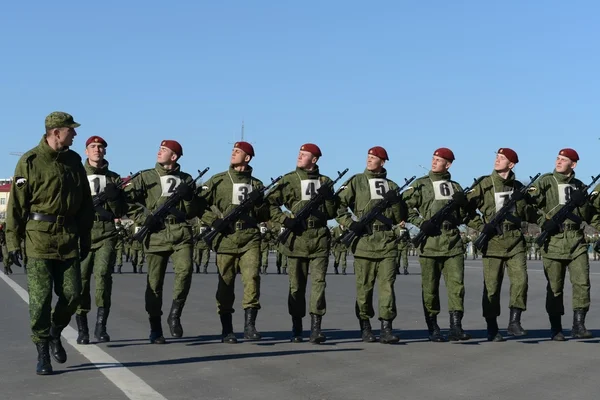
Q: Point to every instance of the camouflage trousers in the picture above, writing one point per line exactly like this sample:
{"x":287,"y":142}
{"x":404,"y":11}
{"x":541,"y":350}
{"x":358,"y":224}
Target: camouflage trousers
{"x":493,"y":275}
{"x":281,"y":260}
{"x":7,"y":262}
{"x":298,"y":268}
{"x":98,"y":263}
{"x":157,"y":267}
{"x":119,"y":256}
{"x":402,"y":260}
{"x":340,"y":258}
{"x":264,"y":256}
{"x":137,"y":257}
{"x":201,"y":256}
{"x":453,"y":270}
{"x":579,"y":272}
{"x":227,"y":265}
{"x":43,"y":276}
{"x":367,"y":271}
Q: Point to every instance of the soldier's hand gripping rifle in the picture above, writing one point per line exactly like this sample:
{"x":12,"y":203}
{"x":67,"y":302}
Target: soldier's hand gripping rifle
{"x":309,"y":208}
{"x":390,"y":198}
{"x":161,"y":212}
{"x":576,"y":199}
{"x":503,"y":214}
{"x":243,"y":208}
{"x":440,"y":216}
{"x":101,"y":198}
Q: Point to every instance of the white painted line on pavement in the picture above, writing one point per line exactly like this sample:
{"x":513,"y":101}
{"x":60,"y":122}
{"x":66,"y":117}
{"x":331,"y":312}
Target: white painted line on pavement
{"x":129,"y":383}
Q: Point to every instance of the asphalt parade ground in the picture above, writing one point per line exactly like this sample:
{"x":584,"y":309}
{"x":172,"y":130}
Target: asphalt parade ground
{"x":198,"y":366}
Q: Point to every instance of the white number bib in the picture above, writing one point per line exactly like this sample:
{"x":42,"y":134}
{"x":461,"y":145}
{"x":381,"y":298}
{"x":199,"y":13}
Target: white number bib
{"x":137,"y":229}
{"x":202,"y":229}
{"x":443,"y":190}
{"x":309,"y":188}
{"x":97,"y":183}
{"x":240,"y":192}
{"x":263,"y":229}
{"x":168,"y":184}
{"x":378,"y":187}
{"x":564,"y":193}
{"x":501,"y":198}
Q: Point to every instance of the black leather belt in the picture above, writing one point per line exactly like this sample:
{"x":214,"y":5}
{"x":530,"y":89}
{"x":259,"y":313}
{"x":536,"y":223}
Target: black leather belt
{"x":506,"y":228}
{"x":314,"y":224}
{"x":381,"y":228}
{"x":447,"y":226}
{"x":570,"y":227}
{"x":172,"y":221}
{"x":240,"y":225}
{"x":55,"y":219}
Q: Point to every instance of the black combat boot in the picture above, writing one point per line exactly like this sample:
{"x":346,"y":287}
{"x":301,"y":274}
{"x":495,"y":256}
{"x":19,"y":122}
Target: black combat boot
{"x":316,"y":336}
{"x":397,"y":269}
{"x":335,"y":270}
{"x":296,"y":330}
{"x":264,"y":271}
{"x":556,"y":328}
{"x":493,"y":333}
{"x":173,"y":320}
{"x":366,"y":332}
{"x":44,"y":366}
{"x":119,"y":267}
{"x":514,"y":324}
{"x":250,"y":332}
{"x":435,"y":334}
{"x":197,"y":269}
{"x":456,"y":331}
{"x":156,"y":332}
{"x":405,"y":270}
{"x":205,"y":270}
{"x":83,"y":332}
{"x":278,"y":270}
{"x":134,"y":269}
{"x":285,"y":270}
{"x":343,"y":270}
{"x":100,"y":331}
{"x":56,"y":348}
{"x":227,"y":333}
{"x":140,"y":271}
{"x":387,"y":335}
{"x":579,"y":330}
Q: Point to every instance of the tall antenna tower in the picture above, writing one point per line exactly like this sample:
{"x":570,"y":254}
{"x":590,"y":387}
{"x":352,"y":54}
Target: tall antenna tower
{"x":242,"y":130}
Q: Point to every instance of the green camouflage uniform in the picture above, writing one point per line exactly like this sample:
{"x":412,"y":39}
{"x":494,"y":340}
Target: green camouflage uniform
{"x":48,"y":185}
{"x":104,"y":239}
{"x":5,"y":259}
{"x":122,"y":238}
{"x":136,"y":252}
{"x":266,"y":238}
{"x":465,"y":241}
{"x":403,"y":238}
{"x":201,"y":250}
{"x":340,"y":251}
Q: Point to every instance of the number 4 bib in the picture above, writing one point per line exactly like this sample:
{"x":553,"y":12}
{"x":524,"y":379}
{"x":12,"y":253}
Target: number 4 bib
{"x":309,"y":188}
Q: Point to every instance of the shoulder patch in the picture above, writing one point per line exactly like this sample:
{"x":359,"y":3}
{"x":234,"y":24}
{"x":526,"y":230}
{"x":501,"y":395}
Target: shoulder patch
{"x":20,"y":182}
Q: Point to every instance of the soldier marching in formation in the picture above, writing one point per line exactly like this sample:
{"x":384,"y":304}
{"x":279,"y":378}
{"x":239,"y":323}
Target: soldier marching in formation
{"x":64,"y":216}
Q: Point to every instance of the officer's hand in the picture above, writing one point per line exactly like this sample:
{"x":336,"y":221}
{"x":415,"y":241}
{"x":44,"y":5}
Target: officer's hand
{"x":429,"y":228}
{"x":578,"y":197}
{"x":355,"y":227}
{"x":112,"y":192}
{"x":517,"y":195}
{"x":217,"y":225}
{"x":550,"y":226}
{"x":460,"y":199}
{"x":488,"y":230}
{"x":15,"y":256}
{"x":185,"y":191}
{"x":290,"y":223}
{"x":153,"y":223}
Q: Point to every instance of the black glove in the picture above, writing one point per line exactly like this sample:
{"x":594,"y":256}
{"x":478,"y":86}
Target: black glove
{"x":578,"y":197}
{"x":290,"y":223}
{"x":185,"y":191}
{"x":112,"y":192}
{"x":550,"y":226}
{"x":460,"y":199}
{"x":489,"y":230}
{"x":517,"y":195}
{"x":355,"y":227}
{"x":15,"y":256}
{"x":217,"y":224}
{"x":429,"y":228}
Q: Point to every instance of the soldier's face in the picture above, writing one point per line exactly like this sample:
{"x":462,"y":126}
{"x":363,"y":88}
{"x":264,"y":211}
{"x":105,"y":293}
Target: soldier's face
{"x":306,"y":160}
{"x":66,"y":136}
{"x":439,"y":164}
{"x":374,"y":163}
{"x":166,"y":156}
{"x":95,"y":152}
{"x":564,"y":165}
{"x":502,"y":163}
{"x":238,"y":157}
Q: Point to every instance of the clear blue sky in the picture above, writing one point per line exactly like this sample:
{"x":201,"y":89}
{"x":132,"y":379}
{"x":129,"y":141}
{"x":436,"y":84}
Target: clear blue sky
{"x":347,"y":75}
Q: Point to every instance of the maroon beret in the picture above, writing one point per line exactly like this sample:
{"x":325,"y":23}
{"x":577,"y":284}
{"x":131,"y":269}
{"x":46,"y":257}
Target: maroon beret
{"x":173,"y":145}
{"x":96,"y":139}
{"x":245,"y":147}
{"x":445,"y":153}
{"x":570,"y":154}
{"x":510,"y":154}
{"x":379,"y":151}
{"x":311,"y":148}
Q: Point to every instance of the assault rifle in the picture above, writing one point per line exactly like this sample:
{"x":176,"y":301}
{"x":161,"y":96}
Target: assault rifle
{"x":389,"y":199}
{"x":312,"y":205}
{"x":566,"y":211}
{"x":440,"y":216}
{"x":235,"y":214}
{"x":502,"y":214}
{"x":165,"y":209}
{"x":101,"y":198}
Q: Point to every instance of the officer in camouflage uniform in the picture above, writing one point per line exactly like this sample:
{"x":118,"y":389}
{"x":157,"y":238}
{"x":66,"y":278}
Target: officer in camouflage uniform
{"x":122,"y":238}
{"x":281,"y":260}
{"x":307,"y":247}
{"x":104,"y":239}
{"x":239,"y":244}
{"x":127,"y":243}
{"x":5,"y":258}
{"x":506,"y":247}
{"x":201,"y":250}
{"x":403,"y":239}
{"x":340,"y":251}
{"x":136,"y":254}
{"x":565,"y":247}
{"x":375,"y":250}
{"x":266,"y":238}
{"x":442,"y":252}
{"x":465,"y":242}
{"x":169,"y":238}
{"x":50,"y":207}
